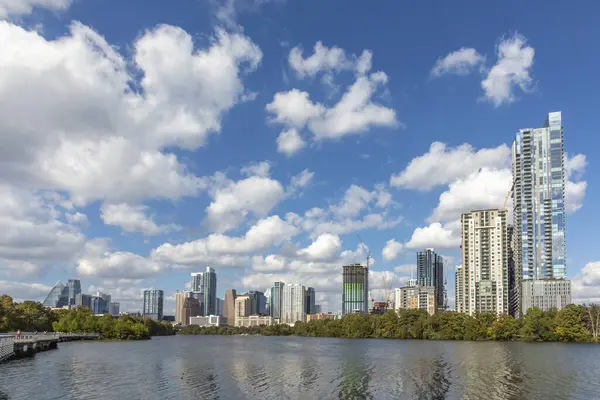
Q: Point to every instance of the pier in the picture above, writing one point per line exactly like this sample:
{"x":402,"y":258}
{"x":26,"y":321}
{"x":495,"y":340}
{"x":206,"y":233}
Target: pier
{"x":27,"y":344}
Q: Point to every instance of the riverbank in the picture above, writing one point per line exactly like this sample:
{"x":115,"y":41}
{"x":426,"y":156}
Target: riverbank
{"x":568,"y":325}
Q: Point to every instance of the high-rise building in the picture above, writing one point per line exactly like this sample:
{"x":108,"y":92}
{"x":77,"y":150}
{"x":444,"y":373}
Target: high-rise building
{"x":100,"y":303}
{"x":258,"y":302}
{"x":153,"y":304}
{"x":355,"y":295}
{"x":243,"y":307}
{"x":74,"y":286}
{"x":310,"y":300}
{"x":459,"y":289}
{"x":209,"y":281}
{"x":83,"y":300}
{"x":482,"y":280}
{"x":220,"y":305}
{"x":276,"y":300}
{"x":197,"y":284}
{"x":546,"y":294}
{"x":229,"y":307}
{"x":416,"y":297}
{"x":293,"y":305}
{"x":114,"y":308}
{"x":58,"y":296}
{"x":430,"y":272}
{"x":317,"y":309}
{"x":539,"y":206}
{"x":268,"y":301}
{"x":187,"y":305}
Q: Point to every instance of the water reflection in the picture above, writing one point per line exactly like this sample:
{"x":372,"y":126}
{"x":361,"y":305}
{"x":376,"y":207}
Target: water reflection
{"x":355,"y":373}
{"x":432,"y":380}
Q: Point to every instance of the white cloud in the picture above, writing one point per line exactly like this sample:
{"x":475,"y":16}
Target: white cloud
{"x":25,"y":291}
{"x":442,"y":165}
{"x":234,"y":200}
{"x":435,"y":235}
{"x":261,"y":169}
{"x":133,"y":218}
{"x":392,"y":250}
{"x":289,"y":142}
{"x":78,"y":219}
{"x":294,"y":108}
{"x":339,"y":227}
{"x":272,"y":262}
{"x":222,"y":250}
{"x":94,"y":137}
{"x":574,"y":187}
{"x":325,"y":248}
{"x":459,"y":62}
{"x":586,"y":285}
{"x":357,"y":198}
{"x":406,"y":269}
{"x":512,"y":70}
{"x":22,"y":7}
{"x":486,"y":188}
{"x":326,"y":59}
{"x":99,"y":261}
{"x":302,"y":180}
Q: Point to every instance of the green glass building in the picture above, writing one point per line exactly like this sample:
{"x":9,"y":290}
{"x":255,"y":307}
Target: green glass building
{"x":355,"y":297}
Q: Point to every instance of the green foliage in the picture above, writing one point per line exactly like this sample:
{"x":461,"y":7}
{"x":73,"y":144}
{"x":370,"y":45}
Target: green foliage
{"x":417,"y":324}
{"x":31,"y":316}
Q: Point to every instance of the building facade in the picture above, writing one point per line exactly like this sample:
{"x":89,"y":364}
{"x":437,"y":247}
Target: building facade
{"x":318,"y":316}
{"x":197,"y":284}
{"x":538,"y":195}
{"x":483,"y":280}
{"x":208,"y":320}
{"x":546,"y":294}
{"x":58,"y":296}
{"x":277,"y":300}
{"x":459,"y":289}
{"x":254,"y":320}
{"x":259,"y":306}
{"x":243,"y":306}
{"x":229,"y":306}
{"x":83,"y":300}
{"x":430,"y":272}
{"x":153,"y":304}
{"x":355,"y":289}
{"x":74,"y":287}
{"x":209,"y":279}
{"x":115,"y":308}
{"x":294,"y":303}
{"x":187,"y":305}
{"x":416,"y":297}
{"x":310,"y":300}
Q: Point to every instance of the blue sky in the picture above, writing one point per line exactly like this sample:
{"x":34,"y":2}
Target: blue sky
{"x":141,"y":142}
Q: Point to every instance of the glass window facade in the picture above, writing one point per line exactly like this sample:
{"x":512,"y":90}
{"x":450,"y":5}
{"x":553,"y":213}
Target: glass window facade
{"x":355,"y":297}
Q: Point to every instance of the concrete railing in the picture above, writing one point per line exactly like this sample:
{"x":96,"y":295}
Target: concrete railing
{"x":7,"y":346}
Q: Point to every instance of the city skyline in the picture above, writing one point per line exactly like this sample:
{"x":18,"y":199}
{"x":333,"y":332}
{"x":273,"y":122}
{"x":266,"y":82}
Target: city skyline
{"x":137,"y":174}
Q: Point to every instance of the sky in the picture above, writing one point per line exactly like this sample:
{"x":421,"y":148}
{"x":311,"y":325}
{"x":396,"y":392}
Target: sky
{"x":140,"y":141}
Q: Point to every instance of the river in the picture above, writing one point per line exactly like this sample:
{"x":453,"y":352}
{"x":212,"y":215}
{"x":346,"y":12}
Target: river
{"x":244,"y":367}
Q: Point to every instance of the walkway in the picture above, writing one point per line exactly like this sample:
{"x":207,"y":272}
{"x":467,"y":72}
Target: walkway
{"x":29,"y":343}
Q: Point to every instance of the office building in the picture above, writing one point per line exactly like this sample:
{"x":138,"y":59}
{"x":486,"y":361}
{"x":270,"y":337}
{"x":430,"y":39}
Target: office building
{"x":100,"y":304}
{"x":58,"y":296}
{"x":83,"y":300}
{"x":187,"y":305}
{"x":254,"y":320}
{"x":229,"y":306}
{"x":546,"y":294}
{"x":74,"y":287}
{"x":268,"y":301}
{"x":153,"y":304}
{"x":243,"y":306}
{"x":293,"y":305}
{"x":277,"y":300}
{"x":355,"y":289}
{"x":209,"y":282}
{"x":220,"y":305}
{"x":258,"y":302}
{"x":208,"y":320}
{"x":310,"y":300}
{"x":458,"y":289}
{"x":317,"y":309}
{"x":197,"y":284}
{"x":114,"y":308}
{"x":430,"y":272}
{"x":415,"y":298}
{"x":538,"y":195}
{"x":483,"y":282}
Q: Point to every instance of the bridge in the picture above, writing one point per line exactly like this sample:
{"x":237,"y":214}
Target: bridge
{"x":27,"y":344}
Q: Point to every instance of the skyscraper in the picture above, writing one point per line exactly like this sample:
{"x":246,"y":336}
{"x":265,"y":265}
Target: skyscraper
{"x":482,"y":280}
{"x":74,"y":286}
{"x":294,"y":303}
{"x":186,"y":306}
{"x":430,"y":272}
{"x":209,"y":281}
{"x":229,"y":308}
{"x":197,"y":285}
{"x":539,"y":207}
{"x":276,"y":299}
{"x":153,"y":304}
{"x":310,"y":300}
{"x":58,"y":296}
{"x":355,"y":295}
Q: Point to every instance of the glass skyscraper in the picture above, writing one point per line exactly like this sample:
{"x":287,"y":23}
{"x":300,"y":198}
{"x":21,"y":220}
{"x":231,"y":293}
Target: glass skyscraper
{"x":355,"y":297}
{"x":276,"y":299}
{"x":310,"y":300}
{"x":58,"y":296}
{"x":430,"y":272}
{"x":153,"y":304}
{"x":539,"y":249}
{"x":209,"y":282}
{"x":74,"y":286}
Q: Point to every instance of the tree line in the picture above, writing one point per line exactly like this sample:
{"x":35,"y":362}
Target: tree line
{"x":32,"y":316}
{"x":575,"y":323}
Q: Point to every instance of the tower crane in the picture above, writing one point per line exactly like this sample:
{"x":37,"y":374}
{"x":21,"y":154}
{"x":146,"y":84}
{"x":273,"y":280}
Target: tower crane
{"x":368,"y":256}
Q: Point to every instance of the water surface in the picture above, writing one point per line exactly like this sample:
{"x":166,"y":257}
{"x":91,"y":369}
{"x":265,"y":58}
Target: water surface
{"x":242,"y":367}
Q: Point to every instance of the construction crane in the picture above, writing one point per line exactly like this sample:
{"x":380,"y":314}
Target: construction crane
{"x":387,"y":288}
{"x":368,"y":256}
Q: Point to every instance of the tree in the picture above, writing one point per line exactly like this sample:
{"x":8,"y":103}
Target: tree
{"x":569,"y":325}
{"x":538,"y":325}
{"x":591,"y":317}
{"x":504,"y":328}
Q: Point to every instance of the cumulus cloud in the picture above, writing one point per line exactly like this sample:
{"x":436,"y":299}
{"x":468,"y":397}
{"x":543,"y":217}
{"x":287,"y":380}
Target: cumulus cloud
{"x":460,"y":62}
{"x":435,"y":235}
{"x":25,"y":291}
{"x":133,"y":218}
{"x":326,"y":59}
{"x":78,"y":219}
{"x":575,"y":187}
{"x":511,"y":71}
{"x":289,"y":142}
{"x":94,"y":137}
{"x":300,"y":181}
{"x":11,"y":8}
{"x":392,"y":250}
{"x":442,"y":165}
{"x":261,"y":169}
{"x":586,"y":284}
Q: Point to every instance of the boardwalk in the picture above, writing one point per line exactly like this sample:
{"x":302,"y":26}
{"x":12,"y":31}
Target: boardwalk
{"x":27,"y":343}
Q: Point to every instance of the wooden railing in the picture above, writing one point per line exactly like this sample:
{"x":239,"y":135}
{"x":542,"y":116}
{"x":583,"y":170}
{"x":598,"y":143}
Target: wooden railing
{"x":7,"y":346}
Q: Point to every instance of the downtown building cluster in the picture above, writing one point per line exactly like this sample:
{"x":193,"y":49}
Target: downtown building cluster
{"x":280,"y":304}
{"x":70,"y":296}
{"x":507,"y":269}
